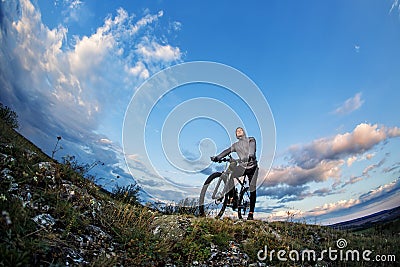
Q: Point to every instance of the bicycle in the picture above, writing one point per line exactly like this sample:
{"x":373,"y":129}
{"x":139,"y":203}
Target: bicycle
{"x":220,"y":188}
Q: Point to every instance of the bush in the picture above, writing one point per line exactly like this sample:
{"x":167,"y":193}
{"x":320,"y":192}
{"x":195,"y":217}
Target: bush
{"x":9,"y":116}
{"x":127,"y":194}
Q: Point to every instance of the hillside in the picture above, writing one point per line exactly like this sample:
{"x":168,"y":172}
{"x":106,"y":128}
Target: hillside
{"x":384,"y":220}
{"x":53,"y":216}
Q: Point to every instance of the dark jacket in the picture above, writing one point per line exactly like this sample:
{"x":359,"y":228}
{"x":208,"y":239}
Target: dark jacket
{"x":245,"y":148}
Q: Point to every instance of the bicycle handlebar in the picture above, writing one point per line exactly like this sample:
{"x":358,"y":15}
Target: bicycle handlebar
{"x":226,"y":160}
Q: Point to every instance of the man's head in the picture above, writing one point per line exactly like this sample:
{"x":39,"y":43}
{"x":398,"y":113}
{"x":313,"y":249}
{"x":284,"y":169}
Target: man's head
{"x":239,"y":132}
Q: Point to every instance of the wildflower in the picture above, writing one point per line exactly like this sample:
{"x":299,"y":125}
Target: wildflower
{"x":3,"y":197}
{"x":56,"y":148}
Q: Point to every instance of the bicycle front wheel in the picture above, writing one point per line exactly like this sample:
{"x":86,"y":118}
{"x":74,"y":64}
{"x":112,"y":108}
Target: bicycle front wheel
{"x":213,"y":200}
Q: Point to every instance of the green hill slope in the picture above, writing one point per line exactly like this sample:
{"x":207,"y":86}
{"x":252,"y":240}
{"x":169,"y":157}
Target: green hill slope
{"x":53,"y":216}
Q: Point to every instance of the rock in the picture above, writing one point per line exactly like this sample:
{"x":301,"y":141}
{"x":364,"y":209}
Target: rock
{"x":44,"y":220}
{"x":5,"y":174}
{"x":6,"y":217}
{"x":5,"y":171}
{"x":96,"y":207}
{"x":156,"y":230}
{"x":171,"y":227}
{"x":277,"y":236}
{"x":48,"y":170}
{"x":75,"y":256}
{"x":70,"y":191}
{"x":13,"y":187}
{"x":30,"y":154}
{"x":229,"y":257}
{"x":6,"y":159}
{"x":97,"y":233}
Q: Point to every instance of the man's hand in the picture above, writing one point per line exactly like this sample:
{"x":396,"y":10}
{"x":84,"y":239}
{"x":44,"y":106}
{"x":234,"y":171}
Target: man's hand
{"x":215,"y":159}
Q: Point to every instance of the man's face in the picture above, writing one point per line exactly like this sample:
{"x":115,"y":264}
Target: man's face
{"x":239,"y":132}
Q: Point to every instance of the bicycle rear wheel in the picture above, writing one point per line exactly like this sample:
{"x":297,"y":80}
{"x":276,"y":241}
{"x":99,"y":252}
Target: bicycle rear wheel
{"x":213,"y":200}
{"x":244,"y":202}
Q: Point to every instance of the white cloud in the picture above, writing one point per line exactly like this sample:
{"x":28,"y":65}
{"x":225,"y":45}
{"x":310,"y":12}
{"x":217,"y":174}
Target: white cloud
{"x":393,"y":132}
{"x":74,"y":11}
{"x":369,"y":156}
{"x":351,"y":160}
{"x":365,"y":172}
{"x":324,"y":209}
{"x":139,"y":70}
{"x":148,"y":19}
{"x":75,"y":3}
{"x":353,"y":180}
{"x":383,"y":195}
{"x":70,"y":90}
{"x":105,"y":141}
{"x":78,"y":80}
{"x":286,"y":215}
{"x":330,"y":207}
{"x":151,"y":50}
{"x":323,"y":160}
{"x":381,"y":190}
{"x":371,"y":167}
{"x":134,"y":157}
{"x":396,"y":4}
{"x":350,"y":105}
{"x":296,"y":175}
{"x":176,"y":25}
{"x":392,"y":168}
{"x":361,"y":139}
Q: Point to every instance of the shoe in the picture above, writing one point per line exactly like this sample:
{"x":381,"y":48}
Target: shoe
{"x":250,"y":217}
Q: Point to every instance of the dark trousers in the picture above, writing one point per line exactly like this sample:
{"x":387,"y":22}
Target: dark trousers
{"x":252,"y":174}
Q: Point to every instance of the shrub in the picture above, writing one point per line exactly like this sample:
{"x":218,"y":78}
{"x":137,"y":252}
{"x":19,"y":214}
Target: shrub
{"x":9,"y":116}
{"x":127,"y":194}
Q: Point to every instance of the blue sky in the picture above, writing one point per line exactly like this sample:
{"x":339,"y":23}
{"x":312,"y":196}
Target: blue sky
{"x":329,"y":71}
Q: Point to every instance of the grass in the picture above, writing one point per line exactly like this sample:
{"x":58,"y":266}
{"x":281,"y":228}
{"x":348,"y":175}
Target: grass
{"x":95,"y":228}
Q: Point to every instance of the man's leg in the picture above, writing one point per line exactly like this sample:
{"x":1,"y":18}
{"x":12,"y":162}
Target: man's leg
{"x":253,"y":197}
{"x":253,"y":174}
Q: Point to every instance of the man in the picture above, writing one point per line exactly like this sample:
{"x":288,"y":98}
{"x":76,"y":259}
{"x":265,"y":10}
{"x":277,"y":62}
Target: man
{"x":245,"y":148}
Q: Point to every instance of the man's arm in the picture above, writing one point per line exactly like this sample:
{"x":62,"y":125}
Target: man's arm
{"x":225,"y":153}
{"x":252,"y":148}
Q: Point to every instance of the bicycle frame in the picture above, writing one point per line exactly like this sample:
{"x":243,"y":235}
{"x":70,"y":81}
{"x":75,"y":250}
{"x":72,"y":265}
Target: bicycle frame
{"x":227,"y":176}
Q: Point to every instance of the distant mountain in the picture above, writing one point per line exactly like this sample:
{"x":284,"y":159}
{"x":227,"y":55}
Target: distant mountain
{"x":368,"y":221}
